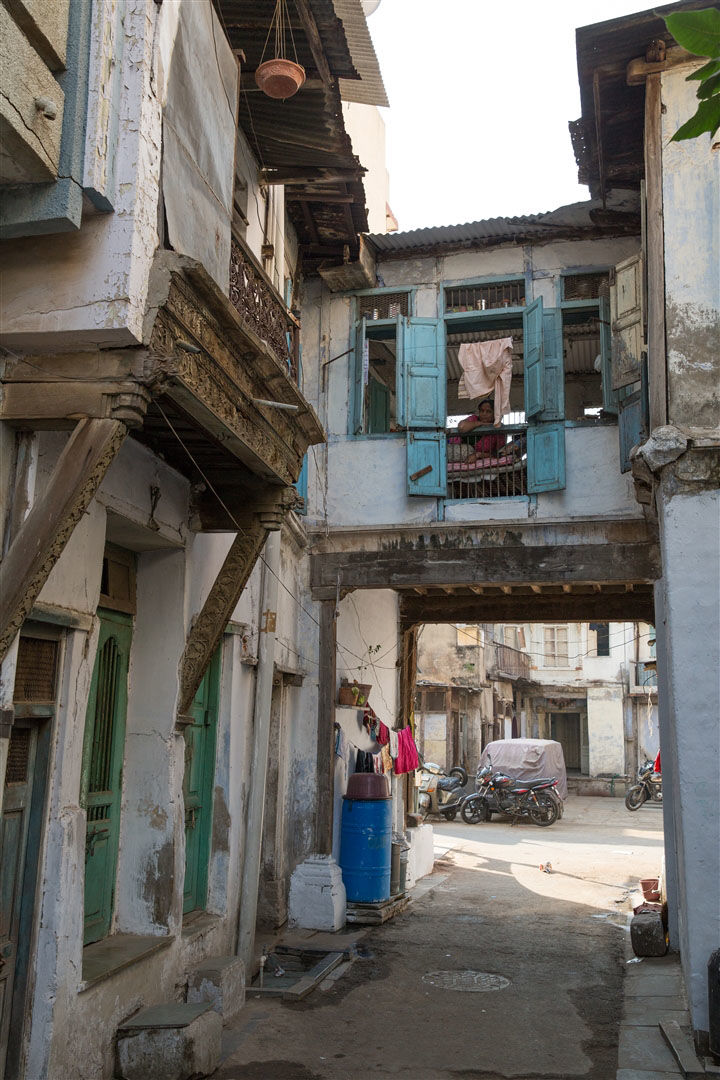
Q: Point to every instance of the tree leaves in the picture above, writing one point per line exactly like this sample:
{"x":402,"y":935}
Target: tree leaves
{"x":696,"y":31}
{"x":699,"y":33}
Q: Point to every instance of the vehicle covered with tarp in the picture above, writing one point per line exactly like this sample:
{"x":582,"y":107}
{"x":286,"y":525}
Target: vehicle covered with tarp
{"x":527,"y":759}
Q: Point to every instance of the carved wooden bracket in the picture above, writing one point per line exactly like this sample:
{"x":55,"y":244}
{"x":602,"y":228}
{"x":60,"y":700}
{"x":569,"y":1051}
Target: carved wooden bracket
{"x":43,"y":535}
{"x":207,"y":629}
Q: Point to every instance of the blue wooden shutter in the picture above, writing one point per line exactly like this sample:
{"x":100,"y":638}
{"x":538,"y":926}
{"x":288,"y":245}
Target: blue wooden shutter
{"x":633,"y":419}
{"x":379,"y":408}
{"x":359,"y":377}
{"x":553,"y":366}
{"x":426,"y":467}
{"x":533,"y":358}
{"x":546,"y":457}
{"x":421,"y":368}
{"x":610,"y":397}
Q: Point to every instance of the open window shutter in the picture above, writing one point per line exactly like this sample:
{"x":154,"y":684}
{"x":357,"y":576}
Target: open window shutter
{"x":421,"y":374}
{"x":610,"y":397}
{"x":426,"y":467}
{"x":626,"y":322}
{"x":379,"y":408}
{"x":361,"y":368}
{"x":553,"y":366}
{"x":633,"y":419}
{"x":533,"y":351}
{"x":546,"y":457}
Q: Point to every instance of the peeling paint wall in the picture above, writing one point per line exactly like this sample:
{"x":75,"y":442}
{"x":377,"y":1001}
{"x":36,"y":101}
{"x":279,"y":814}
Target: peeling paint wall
{"x":691,"y":213}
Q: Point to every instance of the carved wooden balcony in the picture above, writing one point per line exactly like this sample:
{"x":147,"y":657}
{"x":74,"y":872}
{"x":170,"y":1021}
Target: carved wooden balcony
{"x":261,"y":308}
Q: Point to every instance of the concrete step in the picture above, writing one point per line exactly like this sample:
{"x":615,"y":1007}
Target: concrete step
{"x":169,"y":1042}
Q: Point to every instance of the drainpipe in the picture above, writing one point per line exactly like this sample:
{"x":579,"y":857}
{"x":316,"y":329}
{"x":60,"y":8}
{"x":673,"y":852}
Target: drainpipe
{"x":261,"y":739}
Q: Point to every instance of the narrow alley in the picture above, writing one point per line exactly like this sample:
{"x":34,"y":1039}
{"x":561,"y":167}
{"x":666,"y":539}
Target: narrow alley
{"x":551,"y":948}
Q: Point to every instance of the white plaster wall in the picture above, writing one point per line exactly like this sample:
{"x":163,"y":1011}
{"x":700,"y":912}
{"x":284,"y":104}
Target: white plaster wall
{"x":595,"y":487}
{"x":691,"y":216}
{"x":366,"y":128}
{"x":688,"y":645}
{"x":606,"y":732}
{"x":369,"y":617}
{"x":93,"y":282}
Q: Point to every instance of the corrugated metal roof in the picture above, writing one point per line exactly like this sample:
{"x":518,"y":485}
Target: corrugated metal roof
{"x":589,"y":218}
{"x":369,"y":89}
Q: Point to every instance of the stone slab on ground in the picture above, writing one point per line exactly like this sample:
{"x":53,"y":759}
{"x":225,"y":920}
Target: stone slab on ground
{"x":680,"y":1042}
{"x":645,"y":1048}
{"x":643,"y":1074}
{"x":647,"y":934}
{"x":170,"y":1042}
{"x":655,"y":986}
{"x":646,"y":1011}
{"x":221,"y":981}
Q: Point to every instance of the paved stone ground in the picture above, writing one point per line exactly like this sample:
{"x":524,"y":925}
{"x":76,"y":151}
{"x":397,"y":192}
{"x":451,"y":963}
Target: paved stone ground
{"x":558,"y":938}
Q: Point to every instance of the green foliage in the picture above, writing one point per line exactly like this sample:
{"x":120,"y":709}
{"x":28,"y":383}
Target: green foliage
{"x":699,"y":33}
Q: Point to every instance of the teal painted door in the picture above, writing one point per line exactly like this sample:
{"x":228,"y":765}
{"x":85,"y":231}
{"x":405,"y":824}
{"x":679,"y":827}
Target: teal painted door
{"x":610,"y":396}
{"x":101,"y":785}
{"x":533,"y":356}
{"x":379,"y":408}
{"x":421,"y":404}
{"x":198,"y":786}
{"x":360,"y":377}
{"x":546,"y":457}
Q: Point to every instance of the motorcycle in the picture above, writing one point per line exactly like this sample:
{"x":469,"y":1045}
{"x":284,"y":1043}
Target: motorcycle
{"x":497,"y":792}
{"x":441,"y":792}
{"x":647,"y":789}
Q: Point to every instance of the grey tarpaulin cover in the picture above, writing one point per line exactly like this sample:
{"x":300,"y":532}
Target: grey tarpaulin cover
{"x":528,"y":759}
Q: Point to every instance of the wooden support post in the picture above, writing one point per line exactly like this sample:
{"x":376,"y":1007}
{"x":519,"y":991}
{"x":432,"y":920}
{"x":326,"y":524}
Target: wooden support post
{"x":408,"y":679}
{"x":325,"y":727}
{"x":41,"y":539}
{"x":657,"y":372}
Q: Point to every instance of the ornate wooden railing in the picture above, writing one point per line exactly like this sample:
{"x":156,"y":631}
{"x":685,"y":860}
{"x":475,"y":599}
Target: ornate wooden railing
{"x":254,"y":297}
{"x":510,"y":662}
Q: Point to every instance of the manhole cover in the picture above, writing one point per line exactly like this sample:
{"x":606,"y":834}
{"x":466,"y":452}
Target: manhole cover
{"x":475,"y":981}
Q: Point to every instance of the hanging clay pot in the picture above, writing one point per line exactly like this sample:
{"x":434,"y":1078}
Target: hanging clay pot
{"x":280,"y":78}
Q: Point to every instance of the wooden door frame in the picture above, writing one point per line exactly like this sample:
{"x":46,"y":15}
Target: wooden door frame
{"x":213,"y":674}
{"x":43,"y":719}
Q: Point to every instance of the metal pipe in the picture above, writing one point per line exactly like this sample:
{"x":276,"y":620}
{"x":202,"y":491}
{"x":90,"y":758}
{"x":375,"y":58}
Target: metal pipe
{"x":276,"y":404}
{"x":261,"y":739}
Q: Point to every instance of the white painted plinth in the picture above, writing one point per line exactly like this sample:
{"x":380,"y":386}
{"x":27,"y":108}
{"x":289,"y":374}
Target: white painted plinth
{"x":421,"y":857}
{"x":317,"y":895}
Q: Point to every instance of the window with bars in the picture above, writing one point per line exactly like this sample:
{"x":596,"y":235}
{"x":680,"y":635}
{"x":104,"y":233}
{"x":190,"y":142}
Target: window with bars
{"x":36,"y":671}
{"x":497,"y":294}
{"x":383,"y":306}
{"x":589,"y":286}
{"x":556,"y":647}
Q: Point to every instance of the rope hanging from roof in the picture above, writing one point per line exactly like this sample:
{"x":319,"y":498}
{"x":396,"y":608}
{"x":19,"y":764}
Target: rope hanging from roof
{"x":280,"y":77}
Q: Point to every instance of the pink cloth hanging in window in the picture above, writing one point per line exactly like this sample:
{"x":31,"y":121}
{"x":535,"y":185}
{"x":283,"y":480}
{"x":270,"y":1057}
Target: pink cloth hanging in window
{"x":487,"y":369}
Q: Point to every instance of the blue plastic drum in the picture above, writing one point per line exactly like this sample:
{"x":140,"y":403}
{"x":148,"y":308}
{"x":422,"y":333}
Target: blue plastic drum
{"x":365,"y":849}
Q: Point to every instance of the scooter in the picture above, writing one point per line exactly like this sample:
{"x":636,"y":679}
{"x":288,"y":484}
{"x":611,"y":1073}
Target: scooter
{"x":497,"y":792}
{"x":441,"y":792}
{"x":648,"y":788}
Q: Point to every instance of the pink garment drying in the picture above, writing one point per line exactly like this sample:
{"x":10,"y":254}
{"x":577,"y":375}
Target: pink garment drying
{"x":407,"y":759}
{"x":487,"y":369}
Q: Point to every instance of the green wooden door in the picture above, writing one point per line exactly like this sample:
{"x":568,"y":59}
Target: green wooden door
{"x":101,"y":784}
{"x":198,"y":786}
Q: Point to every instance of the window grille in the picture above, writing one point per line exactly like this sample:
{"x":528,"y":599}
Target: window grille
{"x":18,"y":757}
{"x":556,"y":646}
{"x":586,"y":286}
{"x":498,"y":294}
{"x":383,"y":306}
{"x":102,"y":747}
{"x":435,"y":701}
{"x":36,"y":669}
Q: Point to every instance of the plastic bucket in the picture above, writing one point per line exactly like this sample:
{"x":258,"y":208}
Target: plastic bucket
{"x":365,"y":849}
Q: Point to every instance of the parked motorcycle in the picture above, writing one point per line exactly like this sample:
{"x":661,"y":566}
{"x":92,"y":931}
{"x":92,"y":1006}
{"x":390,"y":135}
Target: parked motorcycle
{"x":647,"y":789}
{"x":497,"y":792}
{"x":441,"y":792}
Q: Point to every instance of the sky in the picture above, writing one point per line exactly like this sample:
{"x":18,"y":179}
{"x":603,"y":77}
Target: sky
{"x":481,"y":92}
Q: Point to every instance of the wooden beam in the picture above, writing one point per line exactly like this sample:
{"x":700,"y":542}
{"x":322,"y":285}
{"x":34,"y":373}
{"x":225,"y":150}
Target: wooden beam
{"x":314,"y":40}
{"x":495,"y":566}
{"x":331,"y":197}
{"x":536,"y":588}
{"x":327,"y":678}
{"x":574,"y":607}
{"x":249,"y":86}
{"x":300,"y":175}
{"x":655,"y":239}
{"x":46,"y":530}
{"x":309,"y":222}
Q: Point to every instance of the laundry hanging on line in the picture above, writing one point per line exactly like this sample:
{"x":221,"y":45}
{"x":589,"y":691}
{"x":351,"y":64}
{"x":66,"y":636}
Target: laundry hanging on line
{"x":487,"y":369}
